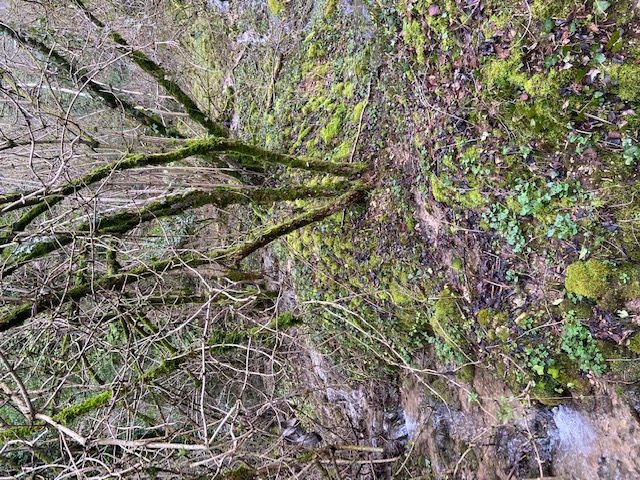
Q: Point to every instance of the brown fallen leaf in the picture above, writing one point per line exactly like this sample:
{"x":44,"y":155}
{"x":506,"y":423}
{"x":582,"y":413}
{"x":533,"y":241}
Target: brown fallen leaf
{"x":433,"y":10}
{"x":593,"y":28}
{"x":502,"y":53}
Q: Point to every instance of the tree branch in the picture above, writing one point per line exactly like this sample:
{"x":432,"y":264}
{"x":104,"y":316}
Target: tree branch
{"x":119,"y":223}
{"x":83,"y":80}
{"x":160,"y":75}
{"x":234,"y":254}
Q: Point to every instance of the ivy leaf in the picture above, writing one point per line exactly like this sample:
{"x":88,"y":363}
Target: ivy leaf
{"x":599,"y":57}
{"x":601,"y":6}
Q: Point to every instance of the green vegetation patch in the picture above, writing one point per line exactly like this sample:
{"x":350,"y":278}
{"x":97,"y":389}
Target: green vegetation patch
{"x":589,"y":279}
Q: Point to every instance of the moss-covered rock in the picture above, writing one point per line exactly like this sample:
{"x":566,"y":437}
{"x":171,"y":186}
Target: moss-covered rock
{"x":589,"y":279}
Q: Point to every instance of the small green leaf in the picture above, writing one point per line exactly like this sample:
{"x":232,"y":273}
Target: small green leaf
{"x":601,"y":6}
{"x":549,"y":25}
{"x":599,"y":57}
{"x":539,"y":369}
{"x":615,"y":37}
{"x":583,"y":253}
{"x":623,"y":313}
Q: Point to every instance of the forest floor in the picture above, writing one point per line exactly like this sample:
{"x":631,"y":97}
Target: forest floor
{"x":492,"y":274}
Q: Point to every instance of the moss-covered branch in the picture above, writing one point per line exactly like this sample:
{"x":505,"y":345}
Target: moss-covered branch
{"x":160,"y":75}
{"x":85,"y":81}
{"x":221,"y":196}
{"x":231,"y":146}
{"x":48,"y":199}
{"x":128,"y":162}
{"x":270,"y":234}
{"x":18,"y":315}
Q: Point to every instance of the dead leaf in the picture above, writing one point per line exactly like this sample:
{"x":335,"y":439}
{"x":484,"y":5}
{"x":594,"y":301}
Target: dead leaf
{"x":433,"y":10}
{"x":502,"y":53}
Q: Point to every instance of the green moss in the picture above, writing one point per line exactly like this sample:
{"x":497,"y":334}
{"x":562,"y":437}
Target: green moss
{"x":399,"y":296}
{"x":357,"y":111}
{"x":471,"y":153}
{"x":17,"y":433}
{"x":447,"y":320}
{"x":484,"y":318}
{"x":502,"y":333}
{"x":276,"y":7}
{"x":581,"y":310}
{"x":452,"y":196}
{"x":440,"y":390}
{"x":89,"y":405}
{"x":349,"y":90}
{"x":626,"y":81}
{"x":343,"y":151}
{"x":457,"y":265}
{"x":569,"y":376}
{"x":466,"y":373}
{"x":240,"y":473}
{"x":330,"y":8}
{"x":634,"y":343}
{"x":543,"y":9}
{"x":505,"y":72}
{"x":415,"y":38}
{"x":548,"y":84}
{"x":331,"y":129}
{"x":314,"y":51}
{"x":589,"y":279}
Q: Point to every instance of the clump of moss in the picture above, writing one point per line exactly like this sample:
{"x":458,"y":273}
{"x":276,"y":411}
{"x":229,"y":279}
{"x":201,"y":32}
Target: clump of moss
{"x":589,"y":279}
{"x":634,"y":343}
{"x":466,"y":373}
{"x":483,"y":317}
{"x":331,"y":129}
{"x":505,"y":72}
{"x":580,"y":310}
{"x":458,"y":265}
{"x":331,"y":7}
{"x":240,"y":473}
{"x":447,"y":317}
{"x":415,"y":38}
{"x":626,"y":81}
{"x":357,"y":111}
{"x":452,"y":196}
{"x":570,"y":377}
{"x":542,"y":9}
{"x":502,"y":333}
